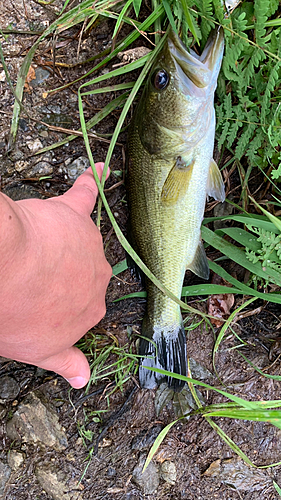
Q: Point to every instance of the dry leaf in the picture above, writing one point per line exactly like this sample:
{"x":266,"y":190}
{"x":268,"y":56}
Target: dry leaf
{"x":29,"y":77}
{"x":219,"y":306}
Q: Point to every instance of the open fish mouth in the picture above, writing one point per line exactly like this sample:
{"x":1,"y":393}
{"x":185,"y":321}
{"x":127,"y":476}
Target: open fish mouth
{"x":201,"y":70}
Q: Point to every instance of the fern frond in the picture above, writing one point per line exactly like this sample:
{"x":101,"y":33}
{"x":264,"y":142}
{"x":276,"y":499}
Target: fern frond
{"x":246,"y":136}
{"x":256,"y":56}
{"x":255,"y":144}
{"x":206,"y":9}
{"x":272,"y":8}
{"x":261,"y":10}
{"x":270,"y":87}
{"x":219,"y":11}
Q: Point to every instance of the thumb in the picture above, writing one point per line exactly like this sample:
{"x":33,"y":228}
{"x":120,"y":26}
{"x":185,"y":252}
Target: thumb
{"x":82,"y":196}
{"x":70,"y":364}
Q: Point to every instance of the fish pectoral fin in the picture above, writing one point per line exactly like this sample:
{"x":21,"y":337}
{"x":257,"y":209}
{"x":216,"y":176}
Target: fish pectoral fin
{"x":175,"y":185}
{"x":200,"y":265}
{"x":215,"y":185}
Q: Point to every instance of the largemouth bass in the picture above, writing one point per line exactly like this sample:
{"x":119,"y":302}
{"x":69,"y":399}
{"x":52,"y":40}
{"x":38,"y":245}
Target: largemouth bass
{"x":170,"y":172}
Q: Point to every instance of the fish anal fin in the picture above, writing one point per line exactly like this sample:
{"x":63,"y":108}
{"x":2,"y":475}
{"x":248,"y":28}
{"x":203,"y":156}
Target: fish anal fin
{"x":176,"y":183}
{"x":199,"y":265}
{"x":215,"y":185}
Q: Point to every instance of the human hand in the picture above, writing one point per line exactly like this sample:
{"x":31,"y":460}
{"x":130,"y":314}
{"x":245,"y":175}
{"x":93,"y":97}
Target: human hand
{"x":53,"y":280}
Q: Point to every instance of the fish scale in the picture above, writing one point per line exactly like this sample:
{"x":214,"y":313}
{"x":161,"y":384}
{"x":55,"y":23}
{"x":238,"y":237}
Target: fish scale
{"x":170,"y":171}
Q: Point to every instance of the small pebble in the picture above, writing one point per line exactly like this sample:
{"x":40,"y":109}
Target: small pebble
{"x":9,"y":388}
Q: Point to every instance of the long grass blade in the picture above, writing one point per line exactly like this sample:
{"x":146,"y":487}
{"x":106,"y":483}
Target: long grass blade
{"x":239,"y":256}
{"x":160,"y":438}
{"x":246,"y":290}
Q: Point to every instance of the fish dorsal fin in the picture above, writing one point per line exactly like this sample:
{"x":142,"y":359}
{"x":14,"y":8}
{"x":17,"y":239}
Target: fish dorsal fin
{"x":200,"y":265}
{"x":175,"y":185}
{"x":215,"y":186}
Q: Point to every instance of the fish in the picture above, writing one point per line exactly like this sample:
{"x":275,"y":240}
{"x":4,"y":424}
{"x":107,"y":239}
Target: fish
{"x":170,"y":172}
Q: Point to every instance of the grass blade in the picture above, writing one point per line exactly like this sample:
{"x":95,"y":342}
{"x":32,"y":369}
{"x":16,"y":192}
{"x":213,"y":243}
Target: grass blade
{"x":157,"y":443}
{"x":239,"y":256}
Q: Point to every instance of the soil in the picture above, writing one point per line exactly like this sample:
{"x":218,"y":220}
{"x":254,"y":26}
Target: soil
{"x":193,"y":462}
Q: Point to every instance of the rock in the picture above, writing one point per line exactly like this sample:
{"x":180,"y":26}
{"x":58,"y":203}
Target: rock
{"x":198,"y":371}
{"x":3,"y":411}
{"x":168,"y":472}
{"x":34,"y":146}
{"x":44,"y":134}
{"x":15,"y":459}
{"x":237,"y":474}
{"x":53,"y":482}
{"x":77,"y":167}
{"x":35,"y":422}
{"x":111,"y":472}
{"x":148,"y":481}
{"x":5,"y":473}
{"x":146,"y":438}
{"x":40,"y":75}
{"x":41,"y":168}
{"x":21,"y":165}
{"x":9,"y":389}
{"x":23,"y":125}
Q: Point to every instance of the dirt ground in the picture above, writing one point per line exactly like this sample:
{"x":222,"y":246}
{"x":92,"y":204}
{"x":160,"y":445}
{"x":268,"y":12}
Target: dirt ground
{"x":44,"y":448}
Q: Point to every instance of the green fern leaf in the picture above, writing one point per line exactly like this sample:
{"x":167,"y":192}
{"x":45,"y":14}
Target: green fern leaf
{"x":261,"y":9}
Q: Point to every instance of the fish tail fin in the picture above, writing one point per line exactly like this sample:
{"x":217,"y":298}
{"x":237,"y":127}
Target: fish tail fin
{"x":167,"y":351}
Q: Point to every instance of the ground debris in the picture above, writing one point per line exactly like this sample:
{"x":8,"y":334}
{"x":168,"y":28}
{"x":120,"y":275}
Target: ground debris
{"x":5,"y":473}
{"x":147,"y":481}
{"x":54,"y":482}
{"x":169,"y":472}
{"x":237,"y":474}
{"x":146,"y":438}
{"x":219,"y":306}
{"x":131,"y":55}
{"x":9,"y":389}
{"x":15,"y":459}
{"x":35,"y":422}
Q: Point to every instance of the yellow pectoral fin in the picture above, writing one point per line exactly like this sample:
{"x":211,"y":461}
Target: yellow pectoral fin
{"x":175,"y":185}
{"x":200,"y":265}
{"x":215,"y":186}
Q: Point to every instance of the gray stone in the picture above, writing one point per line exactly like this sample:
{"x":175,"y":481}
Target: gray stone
{"x":198,"y":371}
{"x":9,"y":388}
{"x":111,"y":472}
{"x":34,"y":145}
{"x":53,"y":482}
{"x":148,"y":481}
{"x":41,"y":75}
{"x":77,"y":167}
{"x":41,"y":168}
{"x":3,"y":411}
{"x":169,"y":472}
{"x":237,"y":474}
{"x":36,"y":422}
{"x":21,"y":165}
{"x":15,"y":459}
{"x":5,"y":473}
{"x":23,"y":125}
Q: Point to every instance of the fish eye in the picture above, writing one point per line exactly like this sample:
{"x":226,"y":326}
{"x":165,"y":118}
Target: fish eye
{"x":160,"y":79}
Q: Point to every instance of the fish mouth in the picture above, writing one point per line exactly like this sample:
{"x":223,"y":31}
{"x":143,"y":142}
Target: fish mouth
{"x":204,"y":69}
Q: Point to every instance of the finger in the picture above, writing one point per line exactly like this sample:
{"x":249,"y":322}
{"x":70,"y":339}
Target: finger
{"x":70,"y":364}
{"x":83,"y":194}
